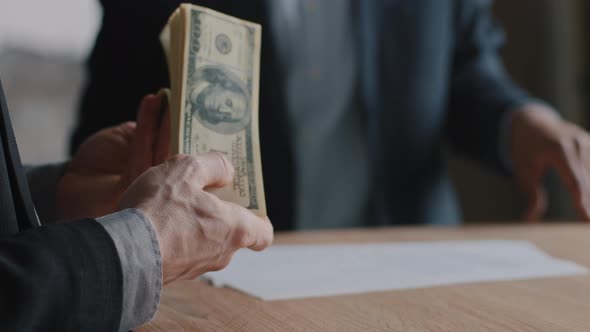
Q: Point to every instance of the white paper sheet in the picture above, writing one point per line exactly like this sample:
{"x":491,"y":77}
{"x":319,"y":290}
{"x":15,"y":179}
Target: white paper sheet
{"x":287,"y":272}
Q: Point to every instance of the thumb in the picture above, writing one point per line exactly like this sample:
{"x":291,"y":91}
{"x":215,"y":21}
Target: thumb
{"x":536,"y":205}
{"x":143,"y":141}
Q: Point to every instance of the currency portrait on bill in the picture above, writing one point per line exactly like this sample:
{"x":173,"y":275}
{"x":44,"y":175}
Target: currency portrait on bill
{"x":219,"y":100}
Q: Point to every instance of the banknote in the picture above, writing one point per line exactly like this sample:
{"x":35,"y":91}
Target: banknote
{"x":214,"y":64}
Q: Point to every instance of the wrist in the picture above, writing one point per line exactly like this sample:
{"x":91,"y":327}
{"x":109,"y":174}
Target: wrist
{"x":531,"y":113}
{"x":141,"y":264}
{"x":160,"y":226}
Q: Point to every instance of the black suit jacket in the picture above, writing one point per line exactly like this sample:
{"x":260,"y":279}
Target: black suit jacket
{"x":429,"y":73}
{"x":58,"y":278}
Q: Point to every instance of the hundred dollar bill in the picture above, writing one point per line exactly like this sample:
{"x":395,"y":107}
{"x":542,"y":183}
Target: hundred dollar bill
{"x":214,"y":64}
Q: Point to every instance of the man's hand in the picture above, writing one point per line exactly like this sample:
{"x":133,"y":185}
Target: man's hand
{"x":108,"y":162}
{"x":540,"y":141}
{"x":197,"y":231}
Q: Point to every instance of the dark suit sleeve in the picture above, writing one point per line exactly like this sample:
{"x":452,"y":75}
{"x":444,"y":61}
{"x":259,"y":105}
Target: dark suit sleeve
{"x":63,"y":277}
{"x":481,"y":93}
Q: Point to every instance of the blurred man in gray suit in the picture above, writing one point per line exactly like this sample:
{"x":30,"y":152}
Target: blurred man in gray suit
{"x":357,"y":98}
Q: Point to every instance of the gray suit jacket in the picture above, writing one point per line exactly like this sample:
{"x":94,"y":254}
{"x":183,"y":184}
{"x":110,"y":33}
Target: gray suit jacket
{"x":432,"y":74}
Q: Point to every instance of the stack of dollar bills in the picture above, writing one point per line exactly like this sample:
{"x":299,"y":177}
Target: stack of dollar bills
{"x":214,"y":65}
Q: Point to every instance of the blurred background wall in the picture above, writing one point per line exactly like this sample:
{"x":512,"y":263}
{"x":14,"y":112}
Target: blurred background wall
{"x":43,"y":45}
{"x":42,"y":48}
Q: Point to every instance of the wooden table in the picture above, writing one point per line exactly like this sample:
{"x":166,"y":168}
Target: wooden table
{"x":548,"y":304}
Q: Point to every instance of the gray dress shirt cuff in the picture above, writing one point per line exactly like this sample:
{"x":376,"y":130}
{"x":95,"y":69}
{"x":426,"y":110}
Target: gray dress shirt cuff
{"x":506,"y":130}
{"x":141,"y":263}
{"x":43,"y":186}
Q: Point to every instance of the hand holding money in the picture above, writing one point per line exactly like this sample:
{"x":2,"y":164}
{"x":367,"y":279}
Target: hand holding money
{"x":109,"y":161}
{"x":206,"y":231}
{"x":214,"y":65}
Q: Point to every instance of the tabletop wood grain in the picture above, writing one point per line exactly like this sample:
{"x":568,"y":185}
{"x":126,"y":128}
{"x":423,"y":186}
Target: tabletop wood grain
{"x":547,"y":304}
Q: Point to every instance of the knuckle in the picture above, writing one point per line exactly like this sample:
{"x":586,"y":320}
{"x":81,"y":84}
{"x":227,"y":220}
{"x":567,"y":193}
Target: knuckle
{"x":195,"y":165}
{"x":226,"y":165}
{"x":267,"y":239}
{"x":192,"y":166}
{"x":267,"y":242}
{"x":241,"y":236}
{"x":179,"y":159}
